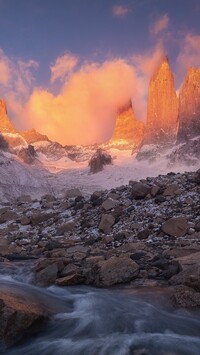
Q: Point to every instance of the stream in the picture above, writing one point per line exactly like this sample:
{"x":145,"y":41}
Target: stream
{"x":105,"y":322}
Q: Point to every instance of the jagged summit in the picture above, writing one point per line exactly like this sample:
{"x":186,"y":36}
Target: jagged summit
{"x":32,"y":136}
{"x":189,"y":106}
{"x":128,"y":129}
{"x":5,"y":124}
{"x":162,"y":112}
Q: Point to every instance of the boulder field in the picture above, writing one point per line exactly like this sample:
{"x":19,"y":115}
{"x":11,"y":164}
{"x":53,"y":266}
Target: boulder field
{"x":146,"y":234}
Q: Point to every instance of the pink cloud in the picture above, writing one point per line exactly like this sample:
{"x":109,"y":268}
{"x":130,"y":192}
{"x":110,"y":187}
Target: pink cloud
{"x":120,"y":11}
{"x":160,"y":25}
{"x":148,"y":62}
{"x":5,"y":68}
{"x":63,"y":66}
{"x":189,"y":54}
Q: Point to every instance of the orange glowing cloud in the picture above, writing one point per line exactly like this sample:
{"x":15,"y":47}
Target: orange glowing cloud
{"x":84,"y":111}
{"x":63,"y":66}
{"x":160,"y":25}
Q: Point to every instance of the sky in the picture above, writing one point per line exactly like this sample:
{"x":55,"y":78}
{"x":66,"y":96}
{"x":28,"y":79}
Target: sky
{"x":66,"y":65}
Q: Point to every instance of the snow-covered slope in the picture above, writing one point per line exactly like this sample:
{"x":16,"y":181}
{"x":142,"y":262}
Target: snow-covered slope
{"x":56,"y":176}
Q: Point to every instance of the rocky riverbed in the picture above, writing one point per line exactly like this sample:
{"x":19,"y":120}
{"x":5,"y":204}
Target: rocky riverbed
{"x":145,"y":234}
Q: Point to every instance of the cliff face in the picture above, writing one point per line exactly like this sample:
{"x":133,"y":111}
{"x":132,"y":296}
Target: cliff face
{"x":189,"y":106}
{"x":128,"y":129}
{"x":162,"y":111}
{"x":5,"y":124}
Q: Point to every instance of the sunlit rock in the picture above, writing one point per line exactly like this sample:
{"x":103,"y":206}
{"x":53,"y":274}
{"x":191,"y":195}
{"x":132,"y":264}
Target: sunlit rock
{"x":128,"y":129}
{"x":189,"y":106}
{"x":162,"y":112}
{"x":5,"y":124}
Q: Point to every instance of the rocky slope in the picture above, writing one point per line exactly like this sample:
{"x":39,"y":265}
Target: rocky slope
{"x":189,"y":106}
{"x":162,"y":111}
{"x":146,"y":233}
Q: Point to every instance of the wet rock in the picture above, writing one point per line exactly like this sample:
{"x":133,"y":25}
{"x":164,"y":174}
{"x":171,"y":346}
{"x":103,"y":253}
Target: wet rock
{"x":189,"y":277}
{"x":46,"y":276}
{"x":185,"y":297}
{"x":175,"y":226}
{"x":70,"y":280}
{"x":18,"y":315}
{"x":116,"y":270}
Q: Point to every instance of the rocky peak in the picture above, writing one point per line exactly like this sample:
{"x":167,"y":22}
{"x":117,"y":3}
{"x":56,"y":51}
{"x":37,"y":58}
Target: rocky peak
{"x":189,"y":106}
{"x":3,"y":108}
{"x":162,"y":112}
{"x":32,"y":136}
{"x":5,"y":124}
{"x":128,"y":129}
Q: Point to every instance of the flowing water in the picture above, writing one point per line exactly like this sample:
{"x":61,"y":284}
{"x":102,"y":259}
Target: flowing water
{"x":106,"y":322}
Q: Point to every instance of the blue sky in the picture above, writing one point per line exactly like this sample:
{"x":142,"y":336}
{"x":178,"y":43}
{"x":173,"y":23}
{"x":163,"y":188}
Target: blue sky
{"x":45,"y":45}
{"x":44,"y":29}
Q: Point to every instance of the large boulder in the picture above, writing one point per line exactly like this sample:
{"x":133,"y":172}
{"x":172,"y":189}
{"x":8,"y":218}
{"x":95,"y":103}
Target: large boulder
{"x":115,"y":270}
{"x":17,"y":315}
{"x":139,"y":190}
{"x":185,"y":297}
{"x":175,"y":226}
{"x":99,"y":160}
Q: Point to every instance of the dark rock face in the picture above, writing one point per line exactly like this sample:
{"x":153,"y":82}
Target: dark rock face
{"x":27,"y":154}
{"x":162,"y":111}
{"x":99,"y":160}
{"x":3,"y":143}
{"x":189,"y":106}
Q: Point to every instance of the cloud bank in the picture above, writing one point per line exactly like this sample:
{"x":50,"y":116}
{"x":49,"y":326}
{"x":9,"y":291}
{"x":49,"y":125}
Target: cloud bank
{"x":63,"y":66}
{"x":85,"y":109}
